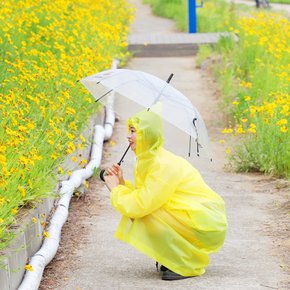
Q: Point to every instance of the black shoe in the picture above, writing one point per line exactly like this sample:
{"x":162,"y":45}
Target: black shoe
{"x":163,"y":268}
{"x":169,"y":276}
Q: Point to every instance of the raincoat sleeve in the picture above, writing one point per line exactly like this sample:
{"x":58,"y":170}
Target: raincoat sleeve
{"x":159,"y":185}
{"x":129,"y":184}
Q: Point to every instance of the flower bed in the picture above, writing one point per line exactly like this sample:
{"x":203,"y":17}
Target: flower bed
{"x":47,"y":46}
{"x":256,"y":71}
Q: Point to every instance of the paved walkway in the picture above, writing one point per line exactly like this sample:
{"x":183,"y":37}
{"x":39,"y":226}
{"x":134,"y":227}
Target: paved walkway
{"x":91,"y":258}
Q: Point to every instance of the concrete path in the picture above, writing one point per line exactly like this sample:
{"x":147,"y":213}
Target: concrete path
{"x":91,"y":258}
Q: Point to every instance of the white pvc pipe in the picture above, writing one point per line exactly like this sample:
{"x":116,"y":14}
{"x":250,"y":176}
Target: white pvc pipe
{"x":50,"y":245}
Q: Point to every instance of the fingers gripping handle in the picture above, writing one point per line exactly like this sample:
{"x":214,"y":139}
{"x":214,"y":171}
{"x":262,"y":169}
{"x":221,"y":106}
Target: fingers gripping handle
{"x":103,"y":171}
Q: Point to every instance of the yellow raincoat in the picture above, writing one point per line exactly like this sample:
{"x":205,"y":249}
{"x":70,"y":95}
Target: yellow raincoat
{"x":170,"y":215}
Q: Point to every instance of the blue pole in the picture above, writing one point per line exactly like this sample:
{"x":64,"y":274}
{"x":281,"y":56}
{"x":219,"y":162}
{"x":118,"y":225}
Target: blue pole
{"x":192,"y":16}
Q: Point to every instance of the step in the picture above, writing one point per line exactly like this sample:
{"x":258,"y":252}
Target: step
{"x":172,"y":44}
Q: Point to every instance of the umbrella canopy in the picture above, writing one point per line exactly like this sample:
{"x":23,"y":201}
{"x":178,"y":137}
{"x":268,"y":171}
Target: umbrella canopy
{"x":145,"y":90}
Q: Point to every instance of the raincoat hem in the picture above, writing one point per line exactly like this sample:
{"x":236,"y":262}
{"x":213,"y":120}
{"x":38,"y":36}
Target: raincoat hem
{"x":160,"y":259}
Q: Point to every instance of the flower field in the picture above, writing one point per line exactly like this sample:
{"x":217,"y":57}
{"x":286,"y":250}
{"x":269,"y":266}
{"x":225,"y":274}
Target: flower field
{"x":256,"y":75}
{"x":46,"y":47}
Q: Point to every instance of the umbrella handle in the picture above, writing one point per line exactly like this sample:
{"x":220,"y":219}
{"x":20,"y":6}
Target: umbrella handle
{"x":103,"y":171}
{"x":121,"y":160}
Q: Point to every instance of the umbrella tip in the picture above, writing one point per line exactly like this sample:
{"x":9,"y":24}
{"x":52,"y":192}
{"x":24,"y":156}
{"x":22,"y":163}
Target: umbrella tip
{"x":169,"y":79}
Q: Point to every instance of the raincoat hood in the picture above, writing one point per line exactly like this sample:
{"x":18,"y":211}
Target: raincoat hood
{"x":149,"y":133}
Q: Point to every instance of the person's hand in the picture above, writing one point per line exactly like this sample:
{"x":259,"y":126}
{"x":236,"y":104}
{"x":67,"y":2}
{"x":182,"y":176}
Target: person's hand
{"x":111,"y":181}
{"x":117,"y":171}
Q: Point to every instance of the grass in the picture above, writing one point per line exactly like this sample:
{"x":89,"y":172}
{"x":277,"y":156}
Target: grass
{"x":280,"y":1}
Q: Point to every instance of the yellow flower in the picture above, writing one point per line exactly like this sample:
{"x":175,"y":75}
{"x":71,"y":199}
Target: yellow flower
{"x":30,"y":125}
{"x":82,"y":138}
{"x":244,"y":120}
{"x":22,"y":190}
{"x":247,"y":98}
{"x":3,"y":159}
{"x":70,"y":136}
{"x":282,"y":122}
{"x":2,"y":148}
{"x":22,"y":128}
{"x":284,"y":110}
{"x":252,"y":130}
{"x":283,"y":129}
{"x":86,"y":184}
{"x":112,"y":143}
{"x":30,"y":183}
{"x":34,"y":220}
{"x":71,"y":146}
{"x":2,"y":200}
{"x":227,"y":131}
{"x":74,"y":159}
{"x":70,"y":111}
{"x":60,"y":170}
{"x":14,"y":210}
{"x":69,"y":151}
{"x":53,"y":156}
{"x":83,"y":161}
{"x":240,"y":130}
{"x":266,"y":120}
{"x":245,"y":84}
{"x":235,"y":103}
{"x":72,"y":125}
{"x":69,"y":173}
{"x":28,"y":267}
{"x":222,"y":141}
{"x":46,"y":235}
{"x":228,"y":150}
{"x":1,"y":221}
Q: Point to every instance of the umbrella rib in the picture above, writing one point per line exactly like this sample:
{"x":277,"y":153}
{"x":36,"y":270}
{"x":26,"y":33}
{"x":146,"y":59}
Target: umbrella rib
{"x":104,"y":95}
{"x":160,"y":93}
{"x":197,"y":144}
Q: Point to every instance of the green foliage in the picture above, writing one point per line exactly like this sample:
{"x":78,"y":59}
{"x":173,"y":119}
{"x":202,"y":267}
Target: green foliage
{"x":204,"y":52}
{"x":280,"y":1}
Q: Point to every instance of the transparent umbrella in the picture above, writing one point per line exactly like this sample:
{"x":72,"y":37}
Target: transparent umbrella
{"x":136,"y":90}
